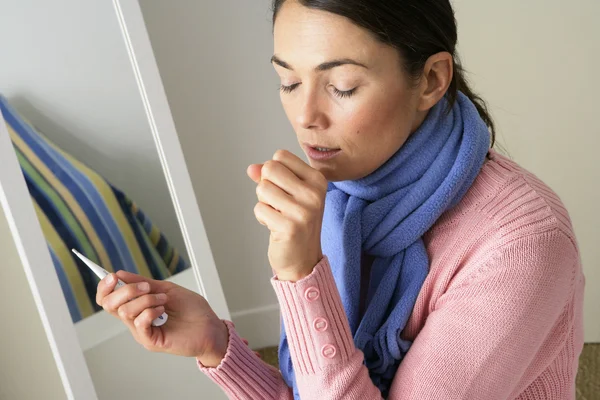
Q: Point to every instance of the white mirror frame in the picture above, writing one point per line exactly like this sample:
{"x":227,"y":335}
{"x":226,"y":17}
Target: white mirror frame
{"x":31,"y":245}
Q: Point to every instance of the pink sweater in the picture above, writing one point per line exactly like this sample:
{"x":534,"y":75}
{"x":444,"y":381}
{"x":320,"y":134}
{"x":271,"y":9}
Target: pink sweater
{"x":499,"y":315}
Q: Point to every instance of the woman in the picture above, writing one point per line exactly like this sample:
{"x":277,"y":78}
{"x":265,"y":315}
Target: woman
{"x":411,"y":260}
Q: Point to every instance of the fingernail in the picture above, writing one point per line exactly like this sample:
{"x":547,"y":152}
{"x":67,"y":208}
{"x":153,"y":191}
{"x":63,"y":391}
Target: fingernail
{"x":160,"y":309}
{"x":109,"y":279}
{"x":143,"y":286}
{"x":161,"y":296}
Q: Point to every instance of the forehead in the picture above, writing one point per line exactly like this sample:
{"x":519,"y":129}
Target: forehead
{"x":306,"y":37}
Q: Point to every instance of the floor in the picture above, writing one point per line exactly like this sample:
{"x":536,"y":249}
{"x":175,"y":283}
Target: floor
{"x":588,"y":378}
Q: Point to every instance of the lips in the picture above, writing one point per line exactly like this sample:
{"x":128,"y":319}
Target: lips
{"x":320,"y":152}
{"x":321,"y":147}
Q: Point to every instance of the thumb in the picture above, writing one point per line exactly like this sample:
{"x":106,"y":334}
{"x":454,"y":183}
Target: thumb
{"x":254,"y":172}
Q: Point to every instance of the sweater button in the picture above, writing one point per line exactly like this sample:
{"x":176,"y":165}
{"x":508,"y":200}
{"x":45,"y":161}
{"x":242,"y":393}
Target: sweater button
{"x":329,"y":351}
{"x":312,"y":294}
{"x":320,"y":324}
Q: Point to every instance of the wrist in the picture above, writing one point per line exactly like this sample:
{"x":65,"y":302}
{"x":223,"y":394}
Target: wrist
{"x":217,"y":348}
{"x":292,"y":276}
{"x":295,"y":275}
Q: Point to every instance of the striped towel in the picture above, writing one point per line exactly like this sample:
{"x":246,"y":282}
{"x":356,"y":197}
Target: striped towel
{"x":79,"y":209}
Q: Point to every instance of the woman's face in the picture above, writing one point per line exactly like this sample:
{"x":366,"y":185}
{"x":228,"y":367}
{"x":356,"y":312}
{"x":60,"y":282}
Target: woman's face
{"x":345,"y":93}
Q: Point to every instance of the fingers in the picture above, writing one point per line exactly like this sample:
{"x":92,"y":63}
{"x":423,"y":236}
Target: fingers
{"x":283,"y":177}
{"x":156,"y":286}
{"x":270,"y":218}
{"x":132,"y":309}
{"x":272,"y":195}
{"x":293,"y":163}
{"x":129,"y":277}
{"x":289,"y":186}
{"x":254,"y":172}
{"x":296,"y":178}
{"x":143,"y":325}
{"x":105,"y":287}
{"x":116,"y":299}
{"x":300,"y":168}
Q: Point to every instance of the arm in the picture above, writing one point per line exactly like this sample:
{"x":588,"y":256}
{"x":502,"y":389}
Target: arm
{"x":487,"y":338}
{"x":492,"y":335}
{"x":326,"y":362}
{"x":479,"y":342}
{"x":243,"y":375}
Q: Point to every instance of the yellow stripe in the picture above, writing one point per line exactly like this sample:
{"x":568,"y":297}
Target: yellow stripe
{"x":174,"y":261}
{"x":104,"y":259}
{"x":115,"y":210}
{"x":68,"y":264}
{"x":154,"y":235}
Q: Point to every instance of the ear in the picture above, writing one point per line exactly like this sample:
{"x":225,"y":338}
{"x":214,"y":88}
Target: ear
{"x":437,"y":76}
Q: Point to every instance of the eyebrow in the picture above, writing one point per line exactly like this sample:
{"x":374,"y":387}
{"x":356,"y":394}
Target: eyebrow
{"x":322,"y":67}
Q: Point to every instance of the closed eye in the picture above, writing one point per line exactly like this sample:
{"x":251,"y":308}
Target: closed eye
{"x":343,"y":94}
{"x":289,"y":89}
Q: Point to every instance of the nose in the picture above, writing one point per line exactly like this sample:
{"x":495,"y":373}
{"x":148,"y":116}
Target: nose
{"x":311,"y":114}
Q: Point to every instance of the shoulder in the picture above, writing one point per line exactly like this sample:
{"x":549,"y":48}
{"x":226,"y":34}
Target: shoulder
{"x":508,"y":212}
{"x":507,"y":202}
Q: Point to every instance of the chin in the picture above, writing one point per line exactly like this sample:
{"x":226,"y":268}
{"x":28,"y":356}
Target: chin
{"x":334,"y":172}
{"x":332,"y":175}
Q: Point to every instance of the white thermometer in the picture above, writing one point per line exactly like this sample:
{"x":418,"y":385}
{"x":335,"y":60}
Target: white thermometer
{"x":101,"y":273}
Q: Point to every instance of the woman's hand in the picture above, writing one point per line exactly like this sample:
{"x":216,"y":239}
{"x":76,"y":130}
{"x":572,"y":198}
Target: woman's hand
{"x":192,"y":330}
{"x":291,"y":200}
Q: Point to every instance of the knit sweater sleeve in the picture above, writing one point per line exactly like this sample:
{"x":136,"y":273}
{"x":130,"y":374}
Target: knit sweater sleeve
{"x":507,"y":321}
{"x":484,"y":334}
{"x":326,"y":362}
{"x":244,"y":376}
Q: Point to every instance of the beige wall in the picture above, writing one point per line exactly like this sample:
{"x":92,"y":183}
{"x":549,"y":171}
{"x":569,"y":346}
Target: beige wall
{"x":27,"y":370}
{"x":536,"y":63}
{"x":214,"y":61}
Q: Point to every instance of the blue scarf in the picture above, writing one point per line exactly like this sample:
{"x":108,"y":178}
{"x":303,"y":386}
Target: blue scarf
{"x":385,"y":215}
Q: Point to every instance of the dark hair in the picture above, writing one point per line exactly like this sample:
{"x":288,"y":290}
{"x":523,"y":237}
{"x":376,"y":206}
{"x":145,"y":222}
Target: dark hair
{"x":417,"y":28}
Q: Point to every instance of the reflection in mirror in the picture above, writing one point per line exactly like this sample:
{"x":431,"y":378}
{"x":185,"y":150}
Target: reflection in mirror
{"x":84,"y":144}
{"x":80,"y":209}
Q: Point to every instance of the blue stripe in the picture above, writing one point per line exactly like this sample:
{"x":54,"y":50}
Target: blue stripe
{"x":139,"y":236}
{"x":181,"y":266}
{"x":65,"y":235}
{"x":78,"y":183}
{"x":145,"y":221}
{"x":49,"y":208}
{"x":162,"y":245}
{"x":66,"y":287}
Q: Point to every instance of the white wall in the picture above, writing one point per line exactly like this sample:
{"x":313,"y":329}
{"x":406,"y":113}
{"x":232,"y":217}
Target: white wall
{"x":536,"y":63}
{"x":532,"y":60}
{"x":123,"y":370}
{"x":65,"y":68}
{"x":24,"y":348}
{"x":214,"y":61}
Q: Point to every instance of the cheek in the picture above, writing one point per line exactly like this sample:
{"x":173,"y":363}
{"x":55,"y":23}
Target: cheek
{"x":370,"y":126}
{"x":374,"y":133}
{"x":288,"y":108}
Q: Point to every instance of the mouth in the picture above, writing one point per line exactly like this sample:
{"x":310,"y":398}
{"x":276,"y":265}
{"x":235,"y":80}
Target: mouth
{"x":321,"y":153}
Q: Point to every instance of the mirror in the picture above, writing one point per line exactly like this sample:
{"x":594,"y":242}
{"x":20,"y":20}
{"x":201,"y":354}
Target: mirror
{"x":93,"y":163}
